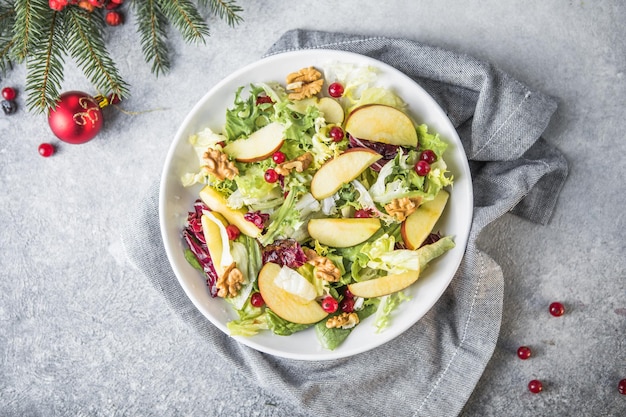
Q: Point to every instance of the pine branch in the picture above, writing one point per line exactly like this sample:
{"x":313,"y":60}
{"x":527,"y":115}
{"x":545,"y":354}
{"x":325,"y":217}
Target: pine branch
{"x":7,"y":18}
{"x":85,"y":43}
{"x":44,"y":67}
{"x":151,"y":25}
{"x":31,"y":24}
{"x":185,"y":17}
{"x":224,"y":9}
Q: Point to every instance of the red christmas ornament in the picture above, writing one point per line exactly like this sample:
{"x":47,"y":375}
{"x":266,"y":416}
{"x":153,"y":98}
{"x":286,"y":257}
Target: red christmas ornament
{"x":77,"y":117}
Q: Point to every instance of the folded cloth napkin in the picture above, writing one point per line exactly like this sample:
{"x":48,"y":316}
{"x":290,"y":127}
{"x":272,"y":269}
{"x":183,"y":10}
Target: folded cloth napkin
{"x":432,"y":368}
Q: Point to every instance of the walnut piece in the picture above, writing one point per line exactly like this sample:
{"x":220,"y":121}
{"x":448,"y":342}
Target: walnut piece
{"x":229,"y":284}
{"x":401,"y":208}
{"x":299,"y":164}
{"x":217,"y":164}
{"x":304,"y":83}
{"x":344,"y":321}
{"x":325,"y":269}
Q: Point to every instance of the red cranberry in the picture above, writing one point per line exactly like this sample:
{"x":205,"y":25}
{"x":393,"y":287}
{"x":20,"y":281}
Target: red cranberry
{"x":535,"y":386}
{"x":57,"y":5}
{"x":329,"y":304}
{"x":336,"y":133}
{"x":278,"y":157}
{"x":422,"y":168}
{"x":524,"y":352}
{"x":347,"y":305}
{"x":8,"y":93}
{"x":621,"y":387}
{"x":557,"y":309}
{"x":271,"y":175}
{"x":362,"y":214}
{"x":263,"y":100}
{"x":335,"y":90}
{"x":46,"y":150}
{"x":347,"y":293}
{"x":256,"y":299}
{"x":114,"y":18}
{"x":428,"y":156}
{"x":233,"y":232}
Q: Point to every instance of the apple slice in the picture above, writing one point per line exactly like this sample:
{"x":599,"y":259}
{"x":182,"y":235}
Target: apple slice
{"x":286,"y":305}
{"x":341,"y":170}
{"x":332,"y":110}
{"x":342,"y":232}
{"x":217,"y":202}
{"x":259,"y":145}
{"x":416,"y":228}
{"x":382,"y":123}
{"x":214,"y":240}
{"x":386,"y":285}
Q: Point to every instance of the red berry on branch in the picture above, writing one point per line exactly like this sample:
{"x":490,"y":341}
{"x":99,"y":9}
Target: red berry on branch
{"x":46,"y":150}
{"x":535,"y":386}
{"x":57,"y":5}
{"x":114,"y":18}
{"x":97,"y":3}
{"x":9,"y":93}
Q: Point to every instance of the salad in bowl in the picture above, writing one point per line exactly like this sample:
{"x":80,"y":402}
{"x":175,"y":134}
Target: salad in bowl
{"x":319,"y":201}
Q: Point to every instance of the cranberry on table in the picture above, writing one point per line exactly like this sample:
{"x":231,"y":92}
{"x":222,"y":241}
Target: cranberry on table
{"x":46,"y":150}
{"x":256,"y":299}
{"x":422,"y":168}
{"x":535,"y":386}
{"x":335,"y":90}
{"x":621,"y":387}
{"x":329,"y":304}
{"x":524,"y":352}
{"x":9,"y":93}
{"x":557,"y":309}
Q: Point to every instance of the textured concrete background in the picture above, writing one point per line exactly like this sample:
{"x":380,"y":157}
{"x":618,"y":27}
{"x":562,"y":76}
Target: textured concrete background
{"x":82,"y":333}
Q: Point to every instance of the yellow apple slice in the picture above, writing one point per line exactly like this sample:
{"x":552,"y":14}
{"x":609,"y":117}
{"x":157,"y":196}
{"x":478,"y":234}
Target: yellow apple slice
{"x":416,"y":228}
{"x":382,"y":123}
{"x":259,"y":145}
{"x":341,"y":170}
{"x":217,"y":202}
{"x":386,"y":285}
{"x":301,"y":106}
{"x":332,"y":110}
{"x":287,"y":306}
{"x":342,"y":232}
{"x":215,"y":241}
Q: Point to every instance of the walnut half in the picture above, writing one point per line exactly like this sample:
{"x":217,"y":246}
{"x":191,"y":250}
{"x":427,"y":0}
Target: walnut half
{"x":344,"y":321}
{"x":217,"y":164}
{"x":299,"y":164}
{"x":325,"y":269}
{"x":401,"y":208}
{"x":229,"y":284}
{"x":304,"y":83}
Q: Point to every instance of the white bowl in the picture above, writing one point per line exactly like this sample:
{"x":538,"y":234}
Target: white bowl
{"x":176,"y":201}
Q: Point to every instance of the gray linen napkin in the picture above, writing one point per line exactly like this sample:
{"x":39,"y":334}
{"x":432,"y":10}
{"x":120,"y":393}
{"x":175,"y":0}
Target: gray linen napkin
{"x":432,"y":368}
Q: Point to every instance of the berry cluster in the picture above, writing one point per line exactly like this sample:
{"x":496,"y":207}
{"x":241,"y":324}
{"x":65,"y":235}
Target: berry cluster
{"x":113,"y":17}
{"x":8,"y":104}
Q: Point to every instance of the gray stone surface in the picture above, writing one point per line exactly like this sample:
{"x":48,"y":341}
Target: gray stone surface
{"x":82,"y":333}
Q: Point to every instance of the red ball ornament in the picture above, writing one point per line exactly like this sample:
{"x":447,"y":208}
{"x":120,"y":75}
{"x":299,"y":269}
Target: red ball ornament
{"x":77,"y":117}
